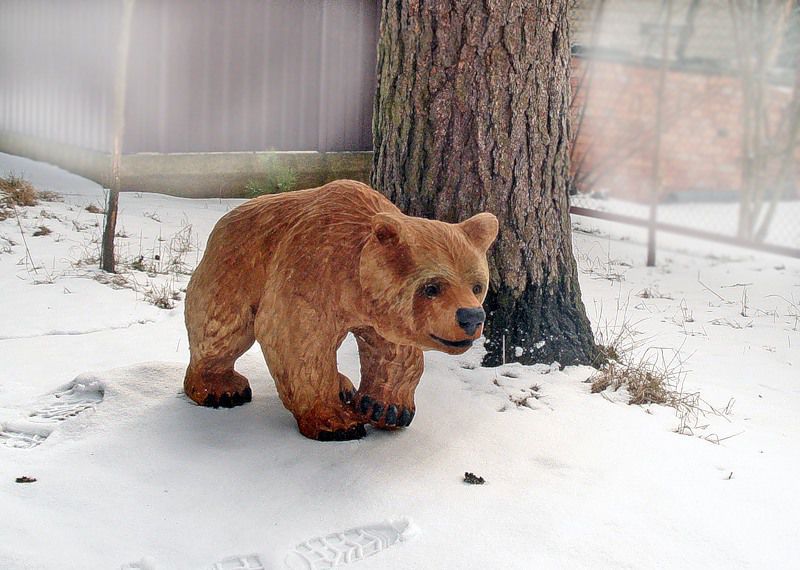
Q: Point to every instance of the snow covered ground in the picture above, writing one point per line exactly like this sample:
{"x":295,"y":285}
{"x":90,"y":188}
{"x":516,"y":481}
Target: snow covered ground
{"x":131,"y":474}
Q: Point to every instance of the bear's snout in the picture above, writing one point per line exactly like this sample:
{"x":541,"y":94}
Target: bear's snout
{"x":470,"y":319}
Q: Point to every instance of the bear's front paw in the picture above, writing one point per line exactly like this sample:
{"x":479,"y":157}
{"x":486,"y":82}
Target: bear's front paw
{"x":385,"y":415}
{"x":331,"y":423}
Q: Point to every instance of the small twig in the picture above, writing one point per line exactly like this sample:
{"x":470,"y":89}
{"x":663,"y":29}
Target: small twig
{"x":744,"y":303}
{"x":791,"y":303}
{"x":24,"y":241}
{"x":707,"y":288}
{"x":721,"y":439}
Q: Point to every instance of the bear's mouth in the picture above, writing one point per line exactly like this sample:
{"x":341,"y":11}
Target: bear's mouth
{"x":453,"y":343}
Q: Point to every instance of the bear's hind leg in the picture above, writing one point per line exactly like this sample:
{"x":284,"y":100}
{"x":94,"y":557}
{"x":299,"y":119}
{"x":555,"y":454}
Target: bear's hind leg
{"x":389,"y":376}
{"x":210,"y":378}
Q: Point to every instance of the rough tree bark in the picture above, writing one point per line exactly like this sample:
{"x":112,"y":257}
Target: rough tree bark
{"x":470,"y":115}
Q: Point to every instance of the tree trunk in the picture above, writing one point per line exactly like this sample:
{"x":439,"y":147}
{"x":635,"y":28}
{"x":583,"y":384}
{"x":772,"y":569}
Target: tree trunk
{"x":107,"y":260}
{"x":471,"y":115}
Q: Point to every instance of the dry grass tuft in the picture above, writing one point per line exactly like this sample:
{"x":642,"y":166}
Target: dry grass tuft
{"x":648,"y":374}
{"x":615,"y":338}
{"x":606,"y":353}
{"x":42,"y":231}
{"x":652,"y":293}
{"x":113,"y":280}
{"x":645,"y":384}
{"x":657,"y":377}
{"x":47,"y":196}
{"x":15,"y":192}
{"x":162,"y":295}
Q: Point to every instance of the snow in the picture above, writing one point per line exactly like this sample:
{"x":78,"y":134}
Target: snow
{"x":131,"y":474}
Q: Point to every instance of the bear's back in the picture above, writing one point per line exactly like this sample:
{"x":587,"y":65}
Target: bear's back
{"x":316,"y":209}
{"x":297,"y":229}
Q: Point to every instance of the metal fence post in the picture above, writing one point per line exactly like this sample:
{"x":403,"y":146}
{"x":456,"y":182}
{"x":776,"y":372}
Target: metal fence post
{"x":655,"y":182}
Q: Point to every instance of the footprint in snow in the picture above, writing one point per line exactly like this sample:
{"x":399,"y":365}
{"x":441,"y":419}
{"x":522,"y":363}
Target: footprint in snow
{"x":71,"y":401}
{"x":353,"y":545}
{"x":20,"y":439}
{"x":145,"y":563}
{"x":63,"y":404}
{"x":250,"y":562}
{"x":330,"y":551}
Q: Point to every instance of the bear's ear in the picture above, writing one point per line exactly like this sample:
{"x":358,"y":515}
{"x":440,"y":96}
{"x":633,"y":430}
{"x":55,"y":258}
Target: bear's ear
{"x":481,"y":229}
{"x":387,"y":228}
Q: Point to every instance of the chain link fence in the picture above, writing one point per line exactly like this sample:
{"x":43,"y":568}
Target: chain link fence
{"x":686,"y":117}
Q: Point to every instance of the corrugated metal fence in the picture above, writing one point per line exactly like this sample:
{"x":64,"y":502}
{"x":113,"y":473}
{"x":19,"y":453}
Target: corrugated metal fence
{"x":204,"y":75}
{"x":56,"y":65}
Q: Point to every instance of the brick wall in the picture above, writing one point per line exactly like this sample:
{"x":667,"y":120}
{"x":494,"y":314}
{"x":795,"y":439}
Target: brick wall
{"x":701,"y":144}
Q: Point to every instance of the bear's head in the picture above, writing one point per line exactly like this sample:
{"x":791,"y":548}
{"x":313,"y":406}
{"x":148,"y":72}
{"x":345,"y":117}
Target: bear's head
{"x":424,"y":281}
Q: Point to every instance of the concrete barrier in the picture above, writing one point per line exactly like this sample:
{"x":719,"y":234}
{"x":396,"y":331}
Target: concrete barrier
{"x":193,"y":175}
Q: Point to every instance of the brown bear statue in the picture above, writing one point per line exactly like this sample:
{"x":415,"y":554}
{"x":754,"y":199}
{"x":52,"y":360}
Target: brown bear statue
{"x":297,"y":271}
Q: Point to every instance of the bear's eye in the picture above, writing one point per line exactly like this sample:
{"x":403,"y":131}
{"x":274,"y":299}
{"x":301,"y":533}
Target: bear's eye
{"x":477,"y":288}
{"x":432,"y":290}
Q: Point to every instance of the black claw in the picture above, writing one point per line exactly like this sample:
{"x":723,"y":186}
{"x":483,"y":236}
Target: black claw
{"x":405,"y":418}
{"x":377,"y":412}
{"x":228,"y":400}
{"x":325,"y":436}
{"x":242,"y":397}
{"x":346,"y":396}
{"x":355,"y":432}
{"x":391,"y":415}
{"x":365,"y":404}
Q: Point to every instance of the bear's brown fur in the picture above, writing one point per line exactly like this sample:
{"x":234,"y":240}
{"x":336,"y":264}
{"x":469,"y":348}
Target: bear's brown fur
{"x":298,"y":271}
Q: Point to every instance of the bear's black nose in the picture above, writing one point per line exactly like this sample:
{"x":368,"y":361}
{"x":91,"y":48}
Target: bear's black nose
{"x":470,"y":319}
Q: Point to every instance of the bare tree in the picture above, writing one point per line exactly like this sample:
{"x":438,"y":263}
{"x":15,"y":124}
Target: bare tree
{"x":120,"y":87}
{"x":769,"y":140}
{"x":471,"y":114}
{"x":591,"y":162}
{"x":581,"y":177}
